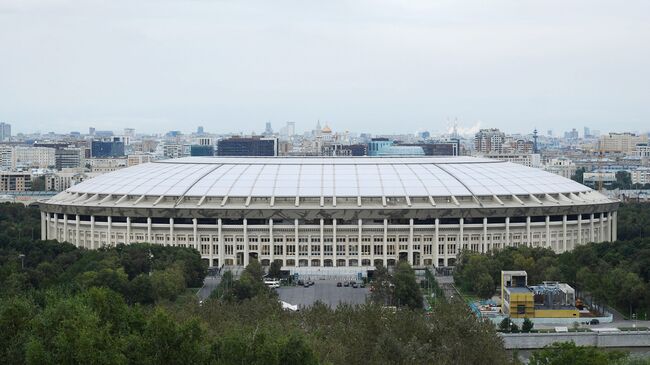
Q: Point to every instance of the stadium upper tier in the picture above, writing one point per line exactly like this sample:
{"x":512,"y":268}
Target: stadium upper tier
{"x":330,"y":177}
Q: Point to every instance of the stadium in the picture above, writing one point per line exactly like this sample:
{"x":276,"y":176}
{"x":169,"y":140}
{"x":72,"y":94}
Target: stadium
{"x":331,"y":212}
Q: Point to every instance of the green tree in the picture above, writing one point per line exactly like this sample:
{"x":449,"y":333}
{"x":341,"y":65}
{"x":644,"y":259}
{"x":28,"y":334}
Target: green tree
{"x":569,"y":353}
{"x":504,"y":325}
{"x":275,"y":270}
{"x":15,"y":316}
{"x":407,"y":290}
{"x":527,"y":326}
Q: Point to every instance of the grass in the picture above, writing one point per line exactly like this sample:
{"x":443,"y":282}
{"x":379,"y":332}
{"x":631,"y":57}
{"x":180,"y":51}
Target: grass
{"x":630,"y":329}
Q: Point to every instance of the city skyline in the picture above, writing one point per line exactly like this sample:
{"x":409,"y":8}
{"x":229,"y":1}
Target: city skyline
{"x":381,"y":66}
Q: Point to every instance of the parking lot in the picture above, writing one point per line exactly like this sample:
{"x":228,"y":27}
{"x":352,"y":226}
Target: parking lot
{"x":325,"y":291}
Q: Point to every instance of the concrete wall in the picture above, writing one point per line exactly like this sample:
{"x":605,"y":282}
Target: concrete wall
{"x":611,"y":339}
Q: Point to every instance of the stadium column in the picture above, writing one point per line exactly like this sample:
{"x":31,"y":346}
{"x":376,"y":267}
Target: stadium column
{"x":461,"y":222}
{"x":614,"y":226}
{"x":195,"y":233}
{"x":127,"y":238}
{"x":485,"y":242}
{"x":359,"y":242}
{"x":507,"y":232}
{"x":410,"y":246}
{"x":385,"y":256}
{"x":334,"y":243}
{"x":564,"y":233}
{"x":92,"y":231}
{"x":171,"y":232}
{"x":210,"y":250}
{"x":77,"y":240}
{"x":109,"y":230}
{"x":65,"y":228}
{"x":436,"y":238}
{"x":579,"y":229}
{"x":529,"y":238}
{"x":548,"y":232}
{"x":149,"y":230}
{"x":43,"y":226}
{"x":297,"y":244}
{"x":222,"y":244}
{"x":591,"y":228}
{"x":56,"y":226}
{"x":246,"y":253}
{"x":322,"y":243}
{"x":271,"y":241}
{"x":609,"y":226}
{"x":601,"y":227}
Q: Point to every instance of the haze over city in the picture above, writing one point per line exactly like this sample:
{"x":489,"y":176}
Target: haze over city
{"x":380,"y":66}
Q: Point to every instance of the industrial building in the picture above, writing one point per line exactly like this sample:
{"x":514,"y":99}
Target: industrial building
{"x":547,"y":300}
{"x":331,"y":212}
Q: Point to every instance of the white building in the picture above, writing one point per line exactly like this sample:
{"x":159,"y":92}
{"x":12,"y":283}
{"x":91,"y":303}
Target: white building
{"x":37,"y":157}
{"x":561,"y":166}
{"x":339,"y":212}
{"x":621,"y":142}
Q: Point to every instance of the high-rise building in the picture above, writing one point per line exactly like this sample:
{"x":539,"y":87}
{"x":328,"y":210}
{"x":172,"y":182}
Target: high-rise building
{"x":489,"y":141}
{"x":268,"y":131}
{"x":199,"y":130}
{"x":15,"y":181}
{"x":201,"y":150}
{"x":39,"y":157}
{"x":248,"y":146}
{"x":7,"y":156}
{"x":107,"y":148}
{"x":67,"y":157}
{"x":5,"y":131}
{"x":621,"y":142}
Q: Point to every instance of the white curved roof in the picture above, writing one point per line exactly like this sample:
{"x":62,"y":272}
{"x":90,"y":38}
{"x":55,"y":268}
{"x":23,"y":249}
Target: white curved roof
{"x":340,"y":177}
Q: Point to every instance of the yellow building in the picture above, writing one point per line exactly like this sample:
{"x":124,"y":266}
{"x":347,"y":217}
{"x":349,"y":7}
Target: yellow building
{"x":547,"y":300}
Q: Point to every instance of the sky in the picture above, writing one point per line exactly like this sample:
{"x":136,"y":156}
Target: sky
{"x":381,"y":66}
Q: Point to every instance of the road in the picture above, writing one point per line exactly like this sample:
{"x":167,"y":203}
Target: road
{"x":209,"y":284}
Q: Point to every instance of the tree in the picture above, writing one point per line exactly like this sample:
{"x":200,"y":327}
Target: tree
{"x":504,"y":325}
{"x":569,"y":353}
{"x":407,"y":290}
{"x":484,"y":286}
{"x":275,"y":270}
{"x":527,"y":326}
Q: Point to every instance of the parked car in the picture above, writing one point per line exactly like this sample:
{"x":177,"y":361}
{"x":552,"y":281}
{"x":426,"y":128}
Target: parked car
{"x":339,"y":284}
{"x":306,"y":285}
{"x":594,"y":321}
{"x":301,"y":283}
{"x":362,"y":285}
{"x":355,"y":285}
{"x":346,"y":284}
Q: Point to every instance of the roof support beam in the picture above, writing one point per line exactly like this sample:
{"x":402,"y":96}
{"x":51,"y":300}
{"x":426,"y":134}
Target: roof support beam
{"x":160,"y":198}
{"x":201,"y":200}
{"x":453,"y":199}
{"x":496,"y":198}
{"x":121,"y":199}
{"x":533,"y":197}
{"x":138,"y":200}
{"x":547,"y":196}
{"x":106,"y":198}
{"x":516,"y":198}
{"x":433,"y":202}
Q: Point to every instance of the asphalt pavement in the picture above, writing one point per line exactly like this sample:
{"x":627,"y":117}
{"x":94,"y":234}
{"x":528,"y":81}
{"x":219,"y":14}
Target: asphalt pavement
{"x":325,"y":291}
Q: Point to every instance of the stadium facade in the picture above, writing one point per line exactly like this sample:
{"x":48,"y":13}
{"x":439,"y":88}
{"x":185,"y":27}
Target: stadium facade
{"x":331,"y":211}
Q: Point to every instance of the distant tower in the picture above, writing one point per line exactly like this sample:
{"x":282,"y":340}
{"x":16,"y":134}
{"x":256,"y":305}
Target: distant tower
{"x":199,"y":130}
{"x":535,"y":149}
{"x":269,"y":130}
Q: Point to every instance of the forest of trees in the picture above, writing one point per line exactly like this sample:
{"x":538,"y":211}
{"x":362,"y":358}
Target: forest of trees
{"x":612,"y":273}
{"x":133,"y":305}
{"x":136,"y":304}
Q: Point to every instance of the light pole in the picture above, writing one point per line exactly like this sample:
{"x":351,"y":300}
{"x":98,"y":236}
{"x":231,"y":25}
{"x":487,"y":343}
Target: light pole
{"x":22,"y":261}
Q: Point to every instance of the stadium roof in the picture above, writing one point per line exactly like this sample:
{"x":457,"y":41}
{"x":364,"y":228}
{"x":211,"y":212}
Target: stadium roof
{"x":328,"y":177}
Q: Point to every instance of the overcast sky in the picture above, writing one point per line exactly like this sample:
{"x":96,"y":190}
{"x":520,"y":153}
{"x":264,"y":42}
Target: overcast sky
{"x":375,"y":65}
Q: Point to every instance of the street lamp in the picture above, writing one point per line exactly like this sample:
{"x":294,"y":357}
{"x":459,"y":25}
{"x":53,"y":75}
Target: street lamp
{"x":22,"y":261}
